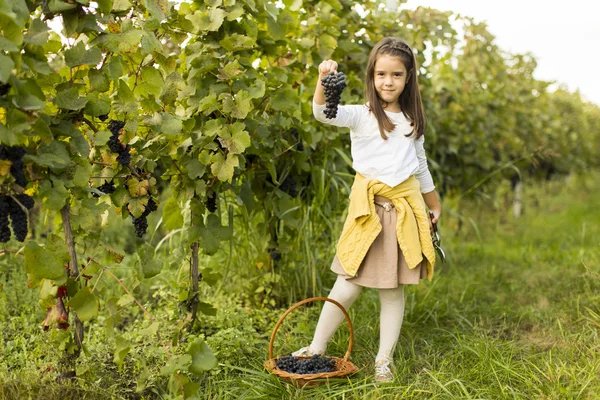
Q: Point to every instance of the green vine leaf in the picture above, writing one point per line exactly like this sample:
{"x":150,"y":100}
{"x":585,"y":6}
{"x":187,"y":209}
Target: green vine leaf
{"x":138,"y":188}
{"x":151,"y":266}
{"x":222,"y":167}
{"x":58,"y":6}
{"x":235,"y":138}
{"x":137,"y":206}
{"x":237,"y":42}
{"x":157,"y":8}
{"x":6,"y":66}
{"x":85,"y":304}
{"x":105,"y":6}
{"x":44,"y":263}
{"x":69,"y":99}
{"x":285,"y":100}
{"x":79,"y":55}
{"x":210,"y":235}
{"x":54,"y":194}
{"x":238,"y":106}
{"x":29,"y":96}
{"x":207,"y":20}
{"x":172,"y":216}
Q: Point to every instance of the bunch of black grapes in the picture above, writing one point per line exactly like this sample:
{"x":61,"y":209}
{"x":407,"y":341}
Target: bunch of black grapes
{"x":274,"y":254}
{"x":106,"y":188}
{"x":15,"y":154}
{"x":140,"y":223}
{"x":289,"y":186}
{"x":18,"y":217}
{"x":312,"y":365}
{"x":333,"y":85}
{"x":4,"y":223}
{"x":211,"y":202}
{"x":4,"y":88}
{"x":115,"y":146}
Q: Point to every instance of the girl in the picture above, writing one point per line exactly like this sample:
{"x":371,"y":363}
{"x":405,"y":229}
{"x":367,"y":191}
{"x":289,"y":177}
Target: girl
{"x":385,"y":242}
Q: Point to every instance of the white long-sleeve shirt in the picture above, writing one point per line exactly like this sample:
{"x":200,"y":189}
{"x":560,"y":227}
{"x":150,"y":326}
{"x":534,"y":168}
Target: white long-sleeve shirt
{"x":390,"y":161}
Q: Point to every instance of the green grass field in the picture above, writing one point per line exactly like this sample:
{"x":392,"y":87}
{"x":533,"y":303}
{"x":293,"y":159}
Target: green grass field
{"x":514,"y":314}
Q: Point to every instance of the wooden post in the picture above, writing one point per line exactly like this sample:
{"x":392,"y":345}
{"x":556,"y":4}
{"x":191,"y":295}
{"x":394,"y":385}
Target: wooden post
{"x":518,"y":203}
{"x":194,"y":295}
{"x":73,"y":270}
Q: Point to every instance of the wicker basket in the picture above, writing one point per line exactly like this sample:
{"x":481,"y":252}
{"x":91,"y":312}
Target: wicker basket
{"x":343,"y":366}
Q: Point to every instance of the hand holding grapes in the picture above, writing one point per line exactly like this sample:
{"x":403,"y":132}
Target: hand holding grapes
{"x":326,"y":67}
{"x":330,"y":86}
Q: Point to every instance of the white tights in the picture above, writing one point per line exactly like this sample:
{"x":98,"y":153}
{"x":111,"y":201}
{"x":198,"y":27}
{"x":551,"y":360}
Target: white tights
{"x":344,"y":292}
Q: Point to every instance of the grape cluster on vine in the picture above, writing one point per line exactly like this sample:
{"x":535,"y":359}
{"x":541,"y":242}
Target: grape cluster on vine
{"x":275,"y":255}
{"x":15,"y":154}
{"x":333,"y":85}
{"x":211,"y":202}
{"x":115,"y":146}
{"x":140,"y":224}
{"x":18,"y":217}
{"x":106,"y":188}
{"x":4,"y":88}
{"x":289,"y":186}
{"x":4,"y":223}
{"x":313,"y":365}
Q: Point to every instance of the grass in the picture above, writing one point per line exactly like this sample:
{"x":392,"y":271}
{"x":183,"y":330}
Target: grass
{"x":513,"y":315}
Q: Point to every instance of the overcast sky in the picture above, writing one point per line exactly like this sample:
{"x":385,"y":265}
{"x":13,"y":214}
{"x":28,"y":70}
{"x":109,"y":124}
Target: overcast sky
{"x":562,"y":35}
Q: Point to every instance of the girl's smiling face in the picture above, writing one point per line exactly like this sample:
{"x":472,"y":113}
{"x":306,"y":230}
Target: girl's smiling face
{"x":390,"y":79}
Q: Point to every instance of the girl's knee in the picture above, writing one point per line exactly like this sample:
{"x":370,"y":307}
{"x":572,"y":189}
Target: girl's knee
{"x":394,"y":295}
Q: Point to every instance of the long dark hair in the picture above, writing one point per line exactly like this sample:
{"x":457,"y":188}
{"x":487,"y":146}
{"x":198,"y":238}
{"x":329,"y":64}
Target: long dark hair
{"x":410,"y":99}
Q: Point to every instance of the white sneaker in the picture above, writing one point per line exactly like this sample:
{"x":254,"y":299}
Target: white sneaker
{"x":304,"y":352}
{"x":383,"y":371}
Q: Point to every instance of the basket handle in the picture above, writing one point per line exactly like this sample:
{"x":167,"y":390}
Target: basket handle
{"x":298,"y":304}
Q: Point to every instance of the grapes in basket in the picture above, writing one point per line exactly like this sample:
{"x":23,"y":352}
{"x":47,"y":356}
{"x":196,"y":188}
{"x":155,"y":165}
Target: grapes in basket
{"x":312,"y":365}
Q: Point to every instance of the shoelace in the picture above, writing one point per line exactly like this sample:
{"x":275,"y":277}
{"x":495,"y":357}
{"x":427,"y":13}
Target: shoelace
{"x":303,"y":352}
{"x":383,"y":369}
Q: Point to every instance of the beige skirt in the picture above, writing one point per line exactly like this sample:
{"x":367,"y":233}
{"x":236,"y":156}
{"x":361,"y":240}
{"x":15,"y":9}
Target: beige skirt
{"x":384,"y":266}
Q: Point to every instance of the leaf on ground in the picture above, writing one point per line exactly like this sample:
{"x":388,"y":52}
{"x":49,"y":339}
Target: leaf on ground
{"x":123,"y":347}
{"x":203,"y":358}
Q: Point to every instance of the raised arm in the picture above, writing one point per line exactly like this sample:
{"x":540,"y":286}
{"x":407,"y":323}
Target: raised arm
{"x":325,"y":68}
{"x":347,"y":116}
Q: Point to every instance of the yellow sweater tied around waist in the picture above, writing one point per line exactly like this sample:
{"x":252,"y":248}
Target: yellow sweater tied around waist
{"x":362,"y":224}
